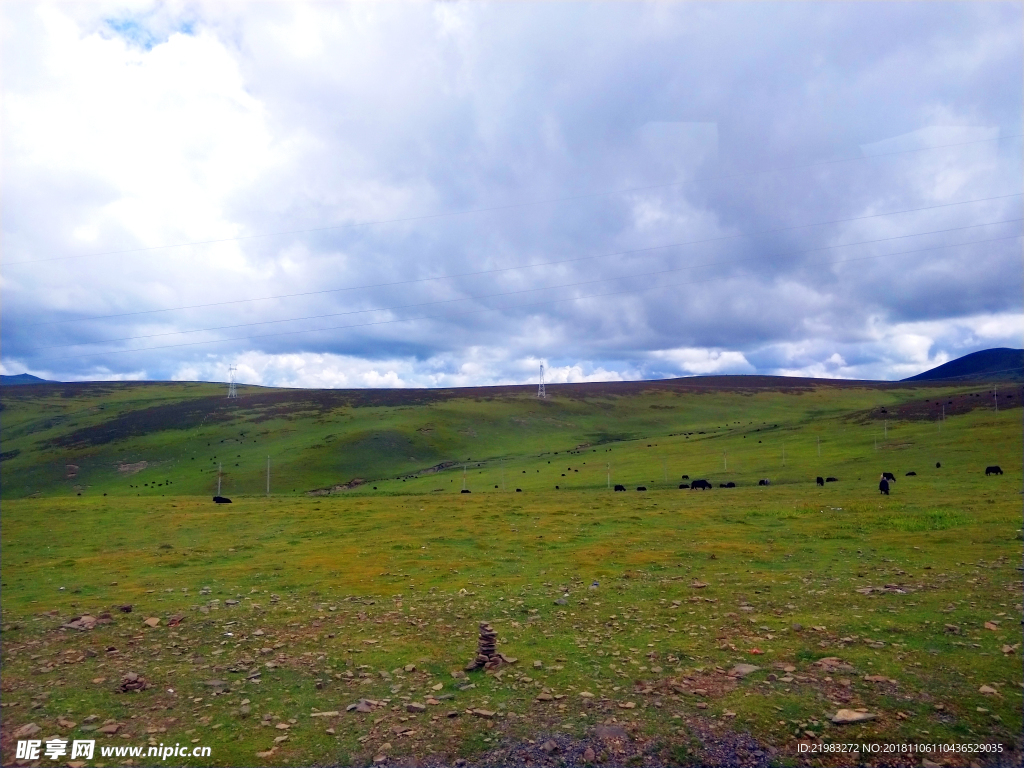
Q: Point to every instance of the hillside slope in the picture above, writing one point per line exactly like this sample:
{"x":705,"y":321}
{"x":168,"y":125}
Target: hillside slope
{"x":154,"y":439}
{"x":999,"y":364}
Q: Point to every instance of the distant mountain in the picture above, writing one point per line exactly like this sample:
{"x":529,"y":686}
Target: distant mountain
{"x":988,"y":364}
{"x":23,"y":378}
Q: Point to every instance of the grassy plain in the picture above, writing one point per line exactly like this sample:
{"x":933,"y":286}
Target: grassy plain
{"x":337,"y":594}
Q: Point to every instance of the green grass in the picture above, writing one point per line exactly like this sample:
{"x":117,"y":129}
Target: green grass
{"x":415,"y":569}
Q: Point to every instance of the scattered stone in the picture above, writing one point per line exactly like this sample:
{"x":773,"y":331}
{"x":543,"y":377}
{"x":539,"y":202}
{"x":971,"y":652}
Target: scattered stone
{"x":282,"y":726}
{"x":110,"y":729}
{"x":549,"y":747}
{"x":215,"y":684}
{"x":627,"y":705}
{"x":26,"y":731}
{"x":846,"y":716}
{"x":611,"y":732}
{"x":331,"y":713}
{"x":152,"y":621}
{"x":538,"y":664}
{"x":586,"y":695}
{"x":415,"y":706}
{"x":589,"y":755}
{"x":82,"y":623}
{"x":742,"y":670}
{"x":545,"y":696}
{"x":988,"y":690}
{"x":484,"y":713}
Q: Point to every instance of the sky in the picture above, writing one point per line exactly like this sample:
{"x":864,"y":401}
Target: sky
{"x":454,"y":193}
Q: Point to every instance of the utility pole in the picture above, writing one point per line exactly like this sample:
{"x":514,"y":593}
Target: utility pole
{"x":609,"y":468}
{"x":463,"y":477}
{"x":885,"y":429}
{"x":220,"y":468}
{"x":502,"y":462}
{"x":725,"y":460}
{"x":268,"y":476}
{"x":664,"y":471}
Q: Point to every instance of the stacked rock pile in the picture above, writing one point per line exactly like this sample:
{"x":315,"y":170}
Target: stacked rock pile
{"x":132,"y":682}
{"x":487,"y":656}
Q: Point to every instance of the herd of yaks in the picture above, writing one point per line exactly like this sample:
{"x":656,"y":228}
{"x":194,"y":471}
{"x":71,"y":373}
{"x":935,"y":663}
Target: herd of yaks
{"x":704,"y":485}
{"x":883,"y":483}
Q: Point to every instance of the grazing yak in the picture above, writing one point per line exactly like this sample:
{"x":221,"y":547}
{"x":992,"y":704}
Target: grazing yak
{"x":222,"y":499}
{"x":889,"y":476}
{"x":820,"y":480}
{"x":641,"y":487}
{"x":911,"y":474}
{"x":684,"y":485}
{"x":883,"y":486}
{"x":831,"y":479}
{"x":519,"y":490}
{"x":703,"y":485}
{"x":620,"y":487}
{"x":764,"y":481}
{"x":994,"y":470}
{"x":938,"y":464}
{"x":466,"y":490}
{"x":730,"y":484}
{"x":685,"y":477}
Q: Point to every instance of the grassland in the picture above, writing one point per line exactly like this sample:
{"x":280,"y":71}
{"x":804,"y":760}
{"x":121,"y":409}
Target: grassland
{"x":337,"y":595}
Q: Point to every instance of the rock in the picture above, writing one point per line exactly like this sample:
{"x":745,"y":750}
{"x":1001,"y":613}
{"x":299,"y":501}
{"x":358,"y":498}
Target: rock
{"x":484,"y":713}
{"x":538,"y":664}
{"x":453,"y":714}
{"x":846,"y":716}
{"x":589,"y":755}
{"x":410,"y":667}
{"x":458,"y":674}
{"x":549,"y":747}
{"x":586,"y":695}
{"x":215,"y":683}
{"x":331,"y":713}
{"x":110,"y":728}
{"x":26,"y":731}
{"x":627,"y":705}
{"x":152,"y":621}
{"x":611,"y":732}
{"x":988,"y":690}
{"x":282,"y":726}
{"x":544,"y":697}
{"x":415,"y":706}
{"x":82,"y":623}
{"x":124,"y":608}
{"x":742,"y":670}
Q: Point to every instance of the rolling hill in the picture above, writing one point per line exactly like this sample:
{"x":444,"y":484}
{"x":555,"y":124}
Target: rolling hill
{"x":998,"y":364}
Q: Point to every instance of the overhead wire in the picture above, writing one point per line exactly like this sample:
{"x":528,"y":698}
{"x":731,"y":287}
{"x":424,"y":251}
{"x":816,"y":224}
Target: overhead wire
{"x":498,"y":309}
{"x":510,"y":206}
{"x":478,"y":273}
{"x":717,"y":263}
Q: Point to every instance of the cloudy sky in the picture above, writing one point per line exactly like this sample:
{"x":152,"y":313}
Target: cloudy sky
{"x":451,"y":193}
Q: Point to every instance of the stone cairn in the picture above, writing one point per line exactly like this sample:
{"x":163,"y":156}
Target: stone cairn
{"x":487,"y":656}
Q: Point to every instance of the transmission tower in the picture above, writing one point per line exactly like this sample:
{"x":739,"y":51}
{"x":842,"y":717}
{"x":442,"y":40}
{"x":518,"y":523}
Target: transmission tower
{"x":541,"y":394}
{"x":232,"y":387}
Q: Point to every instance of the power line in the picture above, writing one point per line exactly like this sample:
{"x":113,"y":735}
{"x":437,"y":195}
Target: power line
{"x":511,"y":206}
{"x":524,"y":266}
{"x":497,"y":309}
{"x":542,"y":288}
